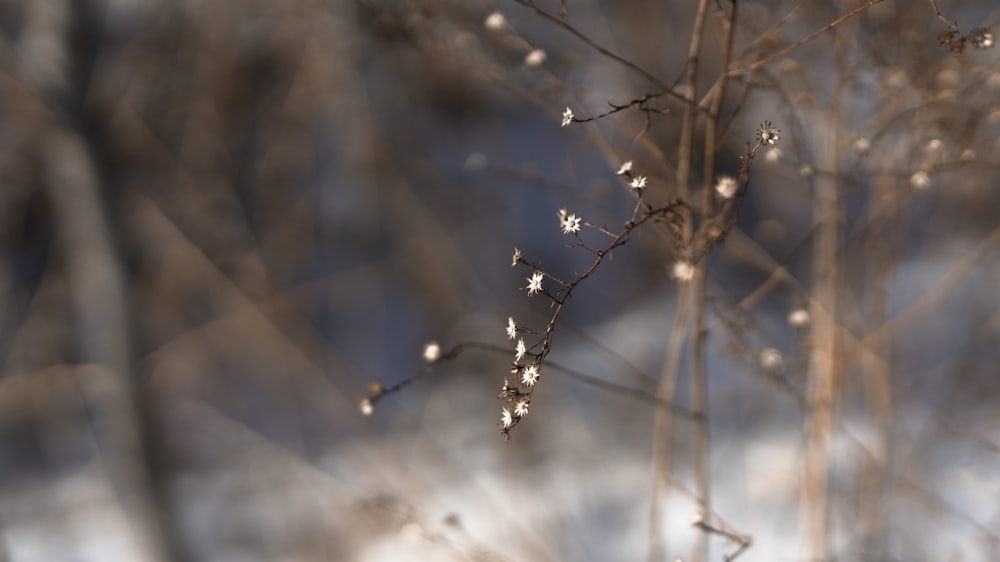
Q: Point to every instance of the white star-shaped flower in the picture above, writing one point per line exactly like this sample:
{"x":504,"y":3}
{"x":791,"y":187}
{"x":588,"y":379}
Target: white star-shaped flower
{"x":638,"y":183}
{"x":520,"y":350}
{"x":511,"y":328}
{"x":534,"y":284}
{"x":530,"y":375}
{"x":567,"y":117}
{"x":521,"y":409}
{"x":506,"y":420}
{"x":626,"y":168}
{"x":569,"y":223}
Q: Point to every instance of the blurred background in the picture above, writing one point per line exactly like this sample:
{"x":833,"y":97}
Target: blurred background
{"x":219,"y":220}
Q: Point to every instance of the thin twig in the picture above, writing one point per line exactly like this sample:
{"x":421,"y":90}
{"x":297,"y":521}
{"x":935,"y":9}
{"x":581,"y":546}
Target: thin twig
{"x":952,"y":25}
{"x":378,"y":391}
{"x":667,"y":90}
{"x":774,"y":56}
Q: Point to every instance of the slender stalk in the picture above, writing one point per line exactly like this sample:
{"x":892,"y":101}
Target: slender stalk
{"x":96,"y":280}
{"x":662,"y":425}
{"x":678,"y":336}
{"x":699,"y":375}
{"x":877,"y":379}
{"x":823,"y":357}
{"x":699,"y":405}
{"x":775,"y":56}
{"x":689,"y":92}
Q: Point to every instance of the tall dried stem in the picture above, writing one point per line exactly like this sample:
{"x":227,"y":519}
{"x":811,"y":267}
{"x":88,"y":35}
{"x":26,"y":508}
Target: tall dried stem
{"x":671,"y":364}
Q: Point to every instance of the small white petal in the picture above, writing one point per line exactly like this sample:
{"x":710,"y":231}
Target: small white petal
{"x":567,"y":117}
{"x":535,"y":58}
{"x":725,"y":186}
{"x":638,"y":183}
{"x":770,"y":358}
{"x":495,"y":22}
{"x":432,"y":352}
{"x":534,"y":284}
{"x":920,"y":180}
{"x":530,"y":375}
{"x":683,"y":271}
{"x":506,"y":420}
{"x":799,"y":317}
{"x":568,"y":223}
{"x":366,"y":407}
{"x":521,"y":409}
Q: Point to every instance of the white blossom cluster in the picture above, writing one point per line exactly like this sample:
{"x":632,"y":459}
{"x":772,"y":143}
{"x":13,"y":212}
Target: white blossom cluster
{"x":526,"y":370}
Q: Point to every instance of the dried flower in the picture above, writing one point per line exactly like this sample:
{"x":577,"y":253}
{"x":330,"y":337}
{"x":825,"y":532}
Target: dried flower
{"x":567,"y":117}
{"x":725,"y":186}
{"x":981,"y":38}
{"x":516,"y":258}
{"x":638,"y":183}
{"x":520,"y":350}
{"x":770,"y":358}
{"x":506,"y":420}
{"x":768,"y":133}
{"x":535,"y":58}
{"x":798,"y":317}
{"x":568,"y":223}
{"x":521,"y":409}
{"x":375,"y":388}
{"x":625,"y":168}
{"x":366,"y":407}
{"x":530,"y":375}
{"x":432,"y":352}
{"x":683,"y":271}
{"x":534,"y":283}
{"x":920,"y":180}
{"x":511,"y":328}
{"x":495,"y":22}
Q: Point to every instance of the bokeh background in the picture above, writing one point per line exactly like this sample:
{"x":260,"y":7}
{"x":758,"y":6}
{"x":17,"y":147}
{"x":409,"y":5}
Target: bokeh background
{"x":219,"y":220}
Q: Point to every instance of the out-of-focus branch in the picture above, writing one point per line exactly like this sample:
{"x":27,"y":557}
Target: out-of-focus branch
{"x":97,"y":286}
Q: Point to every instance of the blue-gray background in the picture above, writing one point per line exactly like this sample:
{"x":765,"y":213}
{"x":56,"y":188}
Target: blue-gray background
{"x":219,"y":220}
